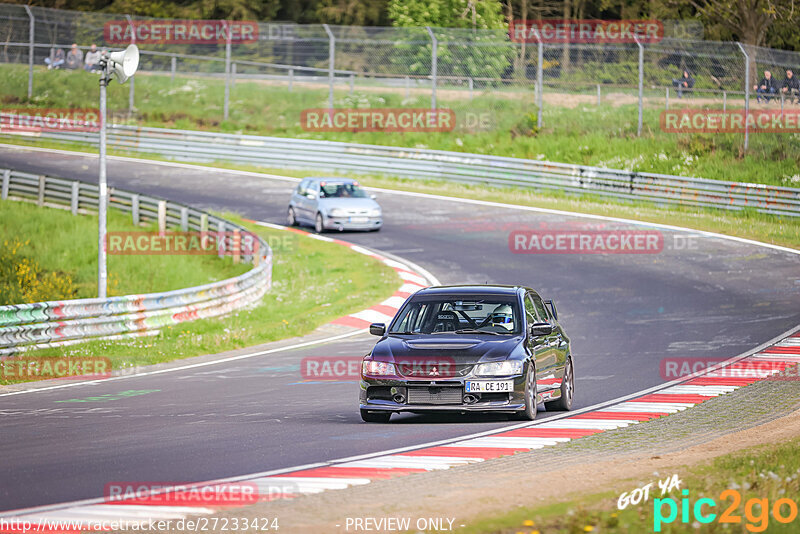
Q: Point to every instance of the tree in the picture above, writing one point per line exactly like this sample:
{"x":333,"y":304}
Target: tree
{"x":749,"y":20}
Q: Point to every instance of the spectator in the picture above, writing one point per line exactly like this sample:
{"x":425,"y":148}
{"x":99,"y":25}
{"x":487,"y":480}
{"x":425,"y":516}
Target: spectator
{"x":766,"y":87}
{"x":684,"y":83}
{"x":56,"y":59}
{"x":91,"y":61}
{"x":791,"y":87}
{"x":74,"y":58}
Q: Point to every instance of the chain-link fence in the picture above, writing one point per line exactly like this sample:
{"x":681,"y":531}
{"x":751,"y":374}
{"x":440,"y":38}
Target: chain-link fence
{"x":487,"y":79}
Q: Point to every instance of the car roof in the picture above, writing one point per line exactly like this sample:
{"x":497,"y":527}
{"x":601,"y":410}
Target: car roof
{"x":472,"y":289}
{"x":329,"y":179}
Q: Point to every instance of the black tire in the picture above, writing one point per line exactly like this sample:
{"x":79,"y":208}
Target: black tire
{"x":375,"y":417}
{"x":529,"y":413}
{"x":564,"y":402}
{"x":318,"y":226}
{"x":291,"y":218}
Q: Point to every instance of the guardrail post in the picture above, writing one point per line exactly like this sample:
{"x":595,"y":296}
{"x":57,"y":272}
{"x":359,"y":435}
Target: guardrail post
{"x":331,"y":62}
{"x":227,"y":68}
{"x":291,"y":79}
{"x":746,"y":95}
{"x":408,"y":87}
{"x":184,"y":219}
{"x":539,"y":77}
{"x":598,"y":95}
{"x":237,"y":245}
{"x":641,"y":85}
{"x":31,"y":36}
{"x":162,"y":217}
{"x":666,"y":99}
{"x":75,"y":197}
{"x":221,"y":238}
{"x":135,"y":209}
{"x":352,"y":83}
{"x":470,"y":88}
{"x":6,"y":183}
{"x":434,"y":60}
{"x":173,"y":66}
{"x":724,"y":101}
{"x":42,"y":184}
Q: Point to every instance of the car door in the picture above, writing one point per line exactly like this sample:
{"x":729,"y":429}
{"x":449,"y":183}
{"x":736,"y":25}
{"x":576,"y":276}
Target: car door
{"x":547,"y":377}
{"x":298,"y":195}
{"x":556,"y":341}
{"x":308,"y":202}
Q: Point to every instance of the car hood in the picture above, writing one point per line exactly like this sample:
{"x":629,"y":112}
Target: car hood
{"x":359,"y":204}
{"x":457,"y":348}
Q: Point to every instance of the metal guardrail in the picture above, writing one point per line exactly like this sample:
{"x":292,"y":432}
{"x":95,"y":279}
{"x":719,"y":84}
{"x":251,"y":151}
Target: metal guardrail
{"x":55,"y":323}
{"x":333,"y":156}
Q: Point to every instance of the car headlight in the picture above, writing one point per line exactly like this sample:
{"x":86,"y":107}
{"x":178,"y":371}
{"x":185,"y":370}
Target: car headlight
{"x":337,"y":212}
{"x":504,"y":368}
{"x":373,"y":368}
{"x":374,"y":212}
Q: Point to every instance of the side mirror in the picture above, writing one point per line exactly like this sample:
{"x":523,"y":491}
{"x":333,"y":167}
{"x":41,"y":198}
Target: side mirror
{"x":373,"y":197}
{"x":311,"y":195}
{"x":377,"y":329}
{"x":541,"y":329}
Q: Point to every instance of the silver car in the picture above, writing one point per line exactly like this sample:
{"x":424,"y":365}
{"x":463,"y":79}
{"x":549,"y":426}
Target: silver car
{"x":334,"y":204}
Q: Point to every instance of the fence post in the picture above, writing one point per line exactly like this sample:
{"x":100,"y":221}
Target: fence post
{"x":131,"y":90}
{"x":236,"y":245}
{"x":162,"y":217}
{"x":408,"y":87}
{"x":746,"y":94}
{"x":724,"y":101}
{"x":539,"y":77}
{"x":291,"y":79}
{"x":173,"y":64}
{"x":641,"y":84}
{"x":221,"y":242}
{"x":352,"y":83}
{"x":6,"y":183}
{"x":331,"y":63}
{"x":470,"y":88}
{"x":227,"y":68}
{"x":233,"y":74}
{"x":203,"y":230}
{"x":598,"y":95}
{"x":74,"y":198}
{"x":666,"y":100}
{"x":31,"y":36}
{"x":135,"y":209}
{"x":42,"y":184}
{"x":184,"y":219}
{"x":434,"y":59}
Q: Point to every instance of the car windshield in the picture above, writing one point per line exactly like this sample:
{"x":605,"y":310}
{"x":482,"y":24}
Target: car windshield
{"x":459,"y":314}
{"x":341,"y":190}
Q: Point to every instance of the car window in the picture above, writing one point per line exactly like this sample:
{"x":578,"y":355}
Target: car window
{"x":530,"y":311}
{"x":540,"y":310}
{"x":301,"y":188}
{"x":431,"y":315}
{"x":341,"y":190}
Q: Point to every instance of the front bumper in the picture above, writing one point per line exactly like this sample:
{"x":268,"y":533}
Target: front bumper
{"x":393,"y":395}
{"x":348,"y":223}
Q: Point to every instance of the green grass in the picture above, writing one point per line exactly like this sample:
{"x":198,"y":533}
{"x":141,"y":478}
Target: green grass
{"x":768,"y":472}
{"x":314,"y":282}
{"x":67,"y":246}
{"x":583,"y":134}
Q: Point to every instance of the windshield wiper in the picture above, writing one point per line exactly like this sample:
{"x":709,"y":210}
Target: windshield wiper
{"x":407,"y":332}
{"x":476,"y":331}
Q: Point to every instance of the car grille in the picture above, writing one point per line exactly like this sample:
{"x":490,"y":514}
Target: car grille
{"x":431,"y":371}
{"x":434,"y":395}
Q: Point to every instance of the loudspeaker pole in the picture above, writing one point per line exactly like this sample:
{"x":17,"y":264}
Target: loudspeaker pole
{"x":102,"y":273}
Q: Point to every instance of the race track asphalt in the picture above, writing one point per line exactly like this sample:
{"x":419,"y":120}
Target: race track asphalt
{"x":701,"y":297}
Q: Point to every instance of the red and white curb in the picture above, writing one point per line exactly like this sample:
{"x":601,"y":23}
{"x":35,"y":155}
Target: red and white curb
{"x":290,"y":483}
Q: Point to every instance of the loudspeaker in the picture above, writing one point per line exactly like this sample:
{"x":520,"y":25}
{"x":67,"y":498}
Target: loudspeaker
{"x":123,"y":64}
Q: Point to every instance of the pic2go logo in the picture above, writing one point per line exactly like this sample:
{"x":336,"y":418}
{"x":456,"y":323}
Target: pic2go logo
{"x":756,"y":511}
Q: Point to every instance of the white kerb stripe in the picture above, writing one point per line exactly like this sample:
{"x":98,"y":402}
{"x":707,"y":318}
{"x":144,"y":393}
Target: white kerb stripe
{"x":708,"y":391}
{"x":372,"y":316}
{"x":320,"y":237}
{"x":396,"y":264}
{"x":308,"y":484}
{"x":412,"y":278}
{"x":410,"y":288}
{"x":510,"y":442}
{"x":394,"y":302}
{"x":586,"y":424}
{"x":410,"y":462}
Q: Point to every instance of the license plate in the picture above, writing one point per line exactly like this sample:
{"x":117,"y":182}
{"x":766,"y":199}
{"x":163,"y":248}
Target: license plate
{"x":359,"y":219}
{"x":495,"y":386}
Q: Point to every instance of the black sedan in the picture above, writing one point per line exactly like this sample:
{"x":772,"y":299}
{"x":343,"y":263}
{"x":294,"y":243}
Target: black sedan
{"x":468,"y":349}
